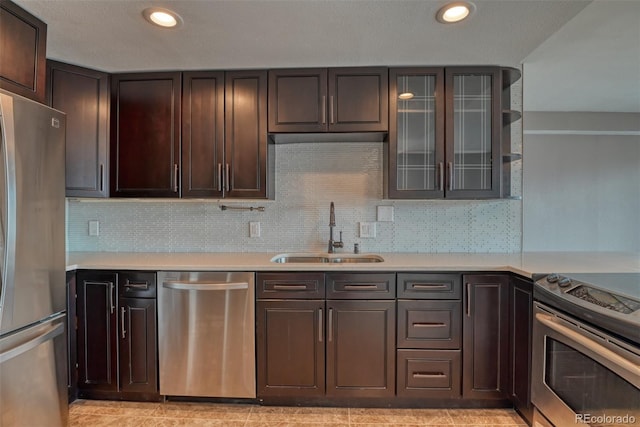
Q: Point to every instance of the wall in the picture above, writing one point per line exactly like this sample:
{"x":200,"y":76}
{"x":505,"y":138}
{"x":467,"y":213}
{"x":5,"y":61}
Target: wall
{"x":581,"y":178}
{"x":308,"y":178}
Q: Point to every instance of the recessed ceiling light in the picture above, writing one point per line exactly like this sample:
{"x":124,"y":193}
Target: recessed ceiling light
{"x":455,"y":12}
{"x":162,"y":17}
{"x":406,"y":95}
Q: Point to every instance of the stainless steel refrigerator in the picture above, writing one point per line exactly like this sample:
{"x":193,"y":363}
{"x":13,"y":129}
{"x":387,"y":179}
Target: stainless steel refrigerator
{"x":33,"y":367}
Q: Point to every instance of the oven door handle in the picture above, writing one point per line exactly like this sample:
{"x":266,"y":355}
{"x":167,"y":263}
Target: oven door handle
{"x":631,"y":368}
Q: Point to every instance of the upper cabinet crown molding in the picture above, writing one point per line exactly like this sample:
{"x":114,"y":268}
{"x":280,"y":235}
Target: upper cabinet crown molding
{"x":23,"y":43}
{"x":314,"y":100}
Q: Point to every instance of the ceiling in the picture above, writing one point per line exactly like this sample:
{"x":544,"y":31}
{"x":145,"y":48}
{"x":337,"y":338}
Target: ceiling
{"x":112,"y":35}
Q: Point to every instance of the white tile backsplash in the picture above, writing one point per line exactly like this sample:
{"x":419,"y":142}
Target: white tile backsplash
{"x":308,"y":177}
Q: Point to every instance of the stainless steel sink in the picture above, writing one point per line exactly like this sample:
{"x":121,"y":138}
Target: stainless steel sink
{"x":326,"y":258}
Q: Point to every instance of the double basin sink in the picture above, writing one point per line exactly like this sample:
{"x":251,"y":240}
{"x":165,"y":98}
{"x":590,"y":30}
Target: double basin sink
{"x":321,"y":258}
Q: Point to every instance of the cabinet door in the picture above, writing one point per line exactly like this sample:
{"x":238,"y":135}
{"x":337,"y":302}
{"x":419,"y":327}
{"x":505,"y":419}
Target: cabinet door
{"x":485,"y":336}
{"x":290,"y":346}
{"x":84,"y":95}
{"x":97,"y":339}
{"x":202,"y":134}
{"x":245,"y":166}
{"x":473,"y":129}
{"x":23,"y":43}
{"x":520,"y":330}
{"x":358,"y":99}
{"x":298,"y":100}
{"x":72,"y":340}
{"x":145,"y":135}
{"x":416,"y":133}
{"x":361,"y":348}
{"x":138,"y":345}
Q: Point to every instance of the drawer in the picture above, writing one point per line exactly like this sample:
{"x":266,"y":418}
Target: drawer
{"x":290,"y":285}
{"x":429,"y":324}
{"x":361,"y":285}
{"x":429,"y":373}
{"x":429,"y":286}
{"x":137,"y":284}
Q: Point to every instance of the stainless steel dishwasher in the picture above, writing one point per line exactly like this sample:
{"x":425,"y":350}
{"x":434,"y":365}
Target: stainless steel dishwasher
{"x":207,"y":334}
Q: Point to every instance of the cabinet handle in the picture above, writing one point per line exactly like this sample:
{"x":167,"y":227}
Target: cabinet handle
{"x":441,"y":173}
{"x":330,"y":325}
{"x":227,"y":183}
{"x":331,"y":109}
{"x":428,"y":375}
{"x":468,"y":299}
{"x":324,"y":109}
{"x":137,"y":285}
{"x":220,"y":177}
{"x":175,"y":177}
{"x":450,"y":167}
{"x":290,"y":287}
{"x":320,"y":326}
{"x":428,"y":286}
{"x":429,"y":325}
{"x":112,"y":306}
{"x":123,"y":332}
{"x":101,"y":177}
{"x":358,"y":287}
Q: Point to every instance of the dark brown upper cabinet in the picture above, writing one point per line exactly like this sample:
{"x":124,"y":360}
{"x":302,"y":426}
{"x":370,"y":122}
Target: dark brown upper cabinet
{"x":202,"y":134}
{"x":246,"y":172}
{"x":23,"y":42}
{"x":224,"y":135}
{"x":145,"y":134}
{"x":84,"y":95}
{"x":311,"y":100}
{"x":445,"y":133}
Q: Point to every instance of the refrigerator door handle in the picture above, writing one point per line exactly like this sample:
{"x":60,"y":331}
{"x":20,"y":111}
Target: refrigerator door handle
{"x":49,"y":334}
{"x":7,"y":277}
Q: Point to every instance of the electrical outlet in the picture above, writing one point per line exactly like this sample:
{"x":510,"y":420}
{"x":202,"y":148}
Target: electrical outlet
{"x":94,"y":227}
{"x":385,"y":213}
{"x":367,"y":229}
{"x":254,"y":229}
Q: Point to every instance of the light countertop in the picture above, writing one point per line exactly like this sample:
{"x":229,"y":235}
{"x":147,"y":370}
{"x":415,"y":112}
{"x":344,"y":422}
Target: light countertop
{"x":525,"y":264}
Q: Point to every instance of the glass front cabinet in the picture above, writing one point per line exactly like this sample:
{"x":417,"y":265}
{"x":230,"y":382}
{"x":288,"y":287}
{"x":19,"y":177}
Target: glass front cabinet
{"x":447,"y":132}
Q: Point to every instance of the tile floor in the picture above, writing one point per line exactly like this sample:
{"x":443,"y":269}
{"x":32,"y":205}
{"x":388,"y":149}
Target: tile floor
{"x":96,"y":413}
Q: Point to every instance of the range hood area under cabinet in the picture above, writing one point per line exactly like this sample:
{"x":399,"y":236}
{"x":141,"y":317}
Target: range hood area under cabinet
{"x":187,"y":134}
{"x":449,"y":133}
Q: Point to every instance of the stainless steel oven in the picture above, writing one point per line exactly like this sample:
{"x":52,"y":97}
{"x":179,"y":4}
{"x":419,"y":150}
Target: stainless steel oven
{"x":582,"y":373}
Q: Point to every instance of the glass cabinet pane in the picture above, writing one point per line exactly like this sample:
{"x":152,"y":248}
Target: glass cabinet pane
{"x":416,"y":133}
{"x":472,"y":118}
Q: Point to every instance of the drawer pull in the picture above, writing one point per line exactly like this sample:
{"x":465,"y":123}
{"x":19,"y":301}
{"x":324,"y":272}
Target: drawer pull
{"x":357,"y":287}
{"x":428,"y":286}
{"x":429,"y":325}
{"x":428,"y":375}
{"x":290,"y":287}
{"x":137,"y":285}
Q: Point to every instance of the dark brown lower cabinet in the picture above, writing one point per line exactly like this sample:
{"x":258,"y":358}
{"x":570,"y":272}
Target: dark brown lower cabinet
{"x":72,"y":344}
{"x":520,"y":330}
{"x":116,"y":337}
{"x":138,"y":358}
{"x":428,"y":373}
{"x":290,"y":343}
{"x":361,"y":348}
{"x":485,"y":350}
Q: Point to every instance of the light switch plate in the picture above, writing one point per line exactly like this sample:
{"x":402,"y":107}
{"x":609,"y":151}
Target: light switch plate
{"x":367,"y":229}
{"x":94,"y":227}
{"x":385,"y":213}
{"x":254,"y":229}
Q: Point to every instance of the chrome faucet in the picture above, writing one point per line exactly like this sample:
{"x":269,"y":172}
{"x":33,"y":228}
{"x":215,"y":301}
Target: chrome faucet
{"x":332,"y":223}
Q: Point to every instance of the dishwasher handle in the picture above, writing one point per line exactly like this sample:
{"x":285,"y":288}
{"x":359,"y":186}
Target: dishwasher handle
{"x":205,"y":286}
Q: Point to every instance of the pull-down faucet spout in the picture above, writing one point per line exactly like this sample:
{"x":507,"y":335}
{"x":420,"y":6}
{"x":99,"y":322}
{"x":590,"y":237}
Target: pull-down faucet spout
{"x":332,"y":223}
